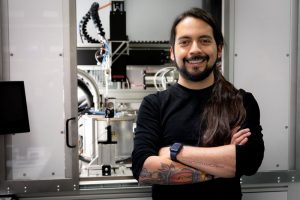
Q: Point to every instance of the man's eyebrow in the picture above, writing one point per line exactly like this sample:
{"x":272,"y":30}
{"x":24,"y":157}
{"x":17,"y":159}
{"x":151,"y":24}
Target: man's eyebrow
{"x":205,"y":36}
{"x":200,"y":37}
{"x":183,"y":37}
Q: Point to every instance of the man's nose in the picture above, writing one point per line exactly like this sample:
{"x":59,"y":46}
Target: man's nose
{"x":196,"y":47}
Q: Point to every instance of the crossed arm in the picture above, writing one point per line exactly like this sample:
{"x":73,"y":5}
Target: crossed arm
{"x":196,"y":164}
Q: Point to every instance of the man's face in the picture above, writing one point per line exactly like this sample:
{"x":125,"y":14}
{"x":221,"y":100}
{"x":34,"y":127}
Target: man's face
{"x":195,"y":51}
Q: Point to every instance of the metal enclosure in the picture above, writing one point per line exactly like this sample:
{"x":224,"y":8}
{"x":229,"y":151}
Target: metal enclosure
{"x":261,"y":57}
{"x":270,"y":56}
{"x":38,"y":48}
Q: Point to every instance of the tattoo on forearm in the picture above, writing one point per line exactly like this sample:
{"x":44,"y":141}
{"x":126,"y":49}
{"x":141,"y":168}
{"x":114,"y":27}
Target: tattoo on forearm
{"x":199,"y":163}
{"x":172,"y":175}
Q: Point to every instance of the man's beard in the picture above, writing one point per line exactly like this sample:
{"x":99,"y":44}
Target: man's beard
{"x":200,"y":76}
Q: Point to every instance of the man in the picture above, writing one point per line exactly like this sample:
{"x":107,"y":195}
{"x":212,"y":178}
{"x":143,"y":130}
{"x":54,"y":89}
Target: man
{"x":198,"y":137}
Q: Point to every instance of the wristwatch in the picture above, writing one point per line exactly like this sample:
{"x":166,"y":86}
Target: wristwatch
{"x":174,"y":150}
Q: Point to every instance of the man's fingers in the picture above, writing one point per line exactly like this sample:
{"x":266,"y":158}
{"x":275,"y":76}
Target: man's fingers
{"x":243,"y":141}
{"x":240,"y":137}
{"x":240,"y":132}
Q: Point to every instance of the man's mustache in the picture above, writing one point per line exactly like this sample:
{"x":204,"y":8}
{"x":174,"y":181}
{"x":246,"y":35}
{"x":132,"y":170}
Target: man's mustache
{"x":196,"y":58}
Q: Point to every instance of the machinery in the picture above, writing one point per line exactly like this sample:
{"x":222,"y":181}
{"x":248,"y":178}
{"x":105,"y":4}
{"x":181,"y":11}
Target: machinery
{"x":113,"y":76}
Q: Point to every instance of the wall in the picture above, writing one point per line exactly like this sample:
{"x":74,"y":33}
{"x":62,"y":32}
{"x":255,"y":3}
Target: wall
{"x":152,"y":20}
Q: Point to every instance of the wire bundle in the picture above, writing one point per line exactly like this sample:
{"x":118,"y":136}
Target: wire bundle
{"x":91,"y":14}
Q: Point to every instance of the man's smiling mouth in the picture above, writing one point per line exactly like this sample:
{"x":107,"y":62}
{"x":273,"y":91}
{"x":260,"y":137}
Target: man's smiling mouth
{"x":196,"y":59}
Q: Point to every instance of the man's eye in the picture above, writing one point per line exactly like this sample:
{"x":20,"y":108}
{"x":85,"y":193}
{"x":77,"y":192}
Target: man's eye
{"x":205,"y":41}
{"x":183,"y":43}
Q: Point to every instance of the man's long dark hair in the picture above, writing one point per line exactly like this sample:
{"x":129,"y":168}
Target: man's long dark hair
{"x":224,"y":110}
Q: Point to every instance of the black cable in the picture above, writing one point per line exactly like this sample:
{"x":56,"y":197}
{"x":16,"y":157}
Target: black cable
{"x":92,"y":14}
{"x":96,"y":19}
{"x":83,"y":29}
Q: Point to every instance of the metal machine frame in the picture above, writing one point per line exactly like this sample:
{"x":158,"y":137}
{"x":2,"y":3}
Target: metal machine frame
{"x":266,"y":178}
{"x":270,"y":181}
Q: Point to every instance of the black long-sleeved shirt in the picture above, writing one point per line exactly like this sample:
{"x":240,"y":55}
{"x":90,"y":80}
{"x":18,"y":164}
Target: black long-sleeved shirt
{"x":174,"y":115}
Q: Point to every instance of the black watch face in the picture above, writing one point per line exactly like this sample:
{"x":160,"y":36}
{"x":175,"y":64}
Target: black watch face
{"x":176,"y":146}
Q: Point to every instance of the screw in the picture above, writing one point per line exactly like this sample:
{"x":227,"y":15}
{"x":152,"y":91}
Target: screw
{"x":293,"y":178}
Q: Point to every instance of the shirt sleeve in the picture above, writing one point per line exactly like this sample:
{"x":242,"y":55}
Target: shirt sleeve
{"x":146,"y":139}
{"x":250,"y":155}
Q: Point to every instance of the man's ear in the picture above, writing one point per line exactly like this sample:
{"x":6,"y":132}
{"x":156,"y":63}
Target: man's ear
{"x":220,"y":47}
{"x":172,"y":53}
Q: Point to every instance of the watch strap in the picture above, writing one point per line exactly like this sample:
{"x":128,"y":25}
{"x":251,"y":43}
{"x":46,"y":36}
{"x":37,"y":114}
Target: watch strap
{"x":173,"y":155}
{"x":174,"y":150}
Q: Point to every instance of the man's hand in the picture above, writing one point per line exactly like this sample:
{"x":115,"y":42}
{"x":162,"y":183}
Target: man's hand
{"x":164,"y":152}
{"x":240,"y":137}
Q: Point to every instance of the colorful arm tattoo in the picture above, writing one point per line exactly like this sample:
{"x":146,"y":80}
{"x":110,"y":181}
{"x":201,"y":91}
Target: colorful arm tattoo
{"x":172,"y":175}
